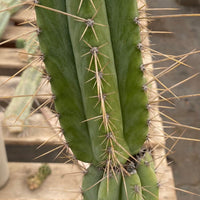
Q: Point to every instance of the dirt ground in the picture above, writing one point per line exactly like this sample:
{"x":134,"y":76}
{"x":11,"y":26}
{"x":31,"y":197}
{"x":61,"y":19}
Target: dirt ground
{"x":186,"y":37}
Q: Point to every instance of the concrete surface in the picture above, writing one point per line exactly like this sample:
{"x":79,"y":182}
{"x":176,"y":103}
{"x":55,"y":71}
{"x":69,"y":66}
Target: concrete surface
{"x":186,"y":157}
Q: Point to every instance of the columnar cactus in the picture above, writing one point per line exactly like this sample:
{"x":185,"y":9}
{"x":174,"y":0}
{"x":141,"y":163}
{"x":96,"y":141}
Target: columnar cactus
{"x":19,"y":109}
{"x":92,"y":52}
{"x":5,"y":16}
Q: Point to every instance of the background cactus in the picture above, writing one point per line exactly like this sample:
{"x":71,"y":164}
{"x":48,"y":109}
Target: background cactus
{"x":92,"y":53}
{"x":19,"y":108}
{"x":5,"y":16}
{"x":35,"y":181}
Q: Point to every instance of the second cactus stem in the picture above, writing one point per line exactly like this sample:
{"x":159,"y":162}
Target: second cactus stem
{"x":92,"y":52}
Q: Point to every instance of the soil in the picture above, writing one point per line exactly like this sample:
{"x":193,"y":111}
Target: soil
{"x":185,"y":158}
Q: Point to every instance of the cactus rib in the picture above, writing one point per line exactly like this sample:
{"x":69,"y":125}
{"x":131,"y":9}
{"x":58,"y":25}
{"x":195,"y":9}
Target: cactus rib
{"x":150,"y":188}
{"x":133,"y":189}
{"x":109,"y":190}
{"x":94,"y":60}
{"x":60,"y":65}
{"x":125,"y":35}
{"x":91,"y":182}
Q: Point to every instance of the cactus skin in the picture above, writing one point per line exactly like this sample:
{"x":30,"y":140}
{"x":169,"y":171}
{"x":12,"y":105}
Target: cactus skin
{"x":24,"y":88}
{"x":149,"y":160}
{"x":90,"y":187}
{"x":19,"y":108}
{"x":150,"y":188}
{"x":133,"y":189}
{"x":125,"y":35}
{"x":81,"y":76}
{"x":110,"y":188}
{"x":5,"y":16}
{"x":60,"y":65}
{"x":132,"y":103}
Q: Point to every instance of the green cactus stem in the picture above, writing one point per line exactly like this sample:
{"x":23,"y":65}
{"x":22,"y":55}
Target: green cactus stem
{"x":149,"y":159}
{"x":95,"y":66}
{"x":92,"y":52}
{"x":20,"y":106}
{"x":131,"y":188}
{"x":150,"y":187}
{"x":126,"y":42}
{"x":56,"y":46}
{"x":89,"y":47}
{"x":91,"y":182}
{"x":5,"y":16}
{"x":109,"y":188}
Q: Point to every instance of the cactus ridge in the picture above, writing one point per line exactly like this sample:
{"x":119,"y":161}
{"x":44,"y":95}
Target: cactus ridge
{"x":91,"y":182}
{"x":81,"y":2}
{"x":99,"y":61}
{"x":150,"y":187}
{"x":126,"y":40}
{"x":110,"y":188}
{"x":132,"y":190}
{"x":63,"y":80}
